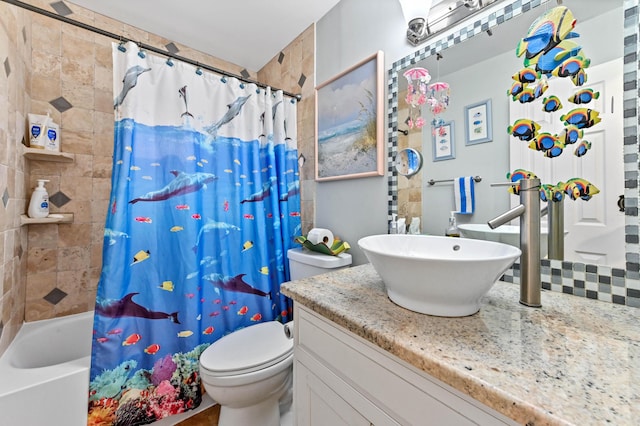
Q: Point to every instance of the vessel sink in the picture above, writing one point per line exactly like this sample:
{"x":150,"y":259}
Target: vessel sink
{"x":507,"y":234}
{"x":442,"y":276}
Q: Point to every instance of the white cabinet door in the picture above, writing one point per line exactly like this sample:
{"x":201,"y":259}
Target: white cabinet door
{"x":342,"y":379}
{"x":319,"y":405}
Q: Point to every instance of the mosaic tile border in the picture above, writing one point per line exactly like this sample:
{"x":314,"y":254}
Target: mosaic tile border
{"x":619,"y":286}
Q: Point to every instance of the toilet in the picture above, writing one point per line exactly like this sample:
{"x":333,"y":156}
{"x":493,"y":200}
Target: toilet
{"x":249,"y":372}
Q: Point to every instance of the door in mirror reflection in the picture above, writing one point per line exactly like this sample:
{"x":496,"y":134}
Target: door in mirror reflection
{"x":595,"y":227}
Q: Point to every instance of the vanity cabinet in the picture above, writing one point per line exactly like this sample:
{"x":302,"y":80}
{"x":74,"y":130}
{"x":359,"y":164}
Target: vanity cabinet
{"x":342,"y":379}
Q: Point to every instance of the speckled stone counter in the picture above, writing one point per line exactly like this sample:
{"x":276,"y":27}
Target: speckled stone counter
{"x":573,"y":361}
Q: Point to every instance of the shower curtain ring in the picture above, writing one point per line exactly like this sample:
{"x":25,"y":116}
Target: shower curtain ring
{"x":121,"y":45}
{"x":198,"y":70}
{"x":141,"y":52}
{"x":169,"y":62}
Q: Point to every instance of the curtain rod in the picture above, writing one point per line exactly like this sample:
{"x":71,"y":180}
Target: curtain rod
{"x":141,"y":45}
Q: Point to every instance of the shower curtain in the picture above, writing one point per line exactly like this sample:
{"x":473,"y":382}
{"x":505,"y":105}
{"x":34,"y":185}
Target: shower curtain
{"x":203,"y":208}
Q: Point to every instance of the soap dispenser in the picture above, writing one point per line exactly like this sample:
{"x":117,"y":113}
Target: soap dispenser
{"x":39,"y":204}
{"x":393,"y":225}
{"x":452,"y":230}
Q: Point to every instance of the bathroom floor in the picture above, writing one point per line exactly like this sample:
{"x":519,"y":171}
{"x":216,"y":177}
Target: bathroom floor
{"x":208,"y":417}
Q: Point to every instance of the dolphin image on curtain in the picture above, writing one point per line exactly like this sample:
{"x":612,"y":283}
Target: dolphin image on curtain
{"x":203,"y":208}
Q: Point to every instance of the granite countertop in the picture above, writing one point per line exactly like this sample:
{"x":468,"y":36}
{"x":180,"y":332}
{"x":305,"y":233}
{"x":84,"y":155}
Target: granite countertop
{"x":573,"y":361}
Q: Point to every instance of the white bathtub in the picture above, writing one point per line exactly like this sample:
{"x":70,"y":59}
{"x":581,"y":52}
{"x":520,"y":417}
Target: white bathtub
{"x":44,"y":374}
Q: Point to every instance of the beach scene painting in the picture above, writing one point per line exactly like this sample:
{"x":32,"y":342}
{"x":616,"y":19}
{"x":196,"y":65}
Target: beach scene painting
{"x":349,"y":122}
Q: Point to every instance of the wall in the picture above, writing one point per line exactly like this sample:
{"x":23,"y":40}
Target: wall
{"x":53,"y":270}
{"x":294,"y":71}
{"x":349,"y":33}
{"x":15,"y":89}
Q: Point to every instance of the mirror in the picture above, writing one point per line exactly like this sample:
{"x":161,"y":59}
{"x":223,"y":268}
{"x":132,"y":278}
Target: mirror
{"x":491,"y":160}
{"x":408,"y":162}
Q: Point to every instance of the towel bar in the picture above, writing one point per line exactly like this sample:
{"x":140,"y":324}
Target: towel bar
{"x":433,"y":182}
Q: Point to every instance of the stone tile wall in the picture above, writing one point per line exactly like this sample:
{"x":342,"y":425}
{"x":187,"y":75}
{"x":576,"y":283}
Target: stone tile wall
{"x":53,"y":270}
{"x":15,"y":89}
{"x":293,"y":70}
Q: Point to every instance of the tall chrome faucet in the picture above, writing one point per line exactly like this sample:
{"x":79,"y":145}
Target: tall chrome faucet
{"x":529,"y":212}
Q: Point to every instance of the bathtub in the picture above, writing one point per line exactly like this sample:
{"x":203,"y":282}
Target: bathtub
{"x":44,"y":374}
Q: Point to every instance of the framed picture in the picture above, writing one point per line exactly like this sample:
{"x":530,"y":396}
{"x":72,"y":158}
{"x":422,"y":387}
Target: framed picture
{"x":443,"y":142}
{"x":349,"y":122}
{"x":477,"y":120}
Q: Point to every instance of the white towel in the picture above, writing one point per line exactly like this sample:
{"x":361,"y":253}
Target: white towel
{"x":464,"y":195}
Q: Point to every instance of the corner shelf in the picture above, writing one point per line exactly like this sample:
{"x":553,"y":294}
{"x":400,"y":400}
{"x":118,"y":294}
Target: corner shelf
{"x":44,"y":155}
{"x":57,"y":218}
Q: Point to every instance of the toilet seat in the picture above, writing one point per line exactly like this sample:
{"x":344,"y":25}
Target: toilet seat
{"x":247,"y":350}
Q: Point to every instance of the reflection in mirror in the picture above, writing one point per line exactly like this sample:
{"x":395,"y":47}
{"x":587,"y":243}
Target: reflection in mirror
{"x":408,"y":162}
{"x":480,"y":68}
{"x":459,"y":46}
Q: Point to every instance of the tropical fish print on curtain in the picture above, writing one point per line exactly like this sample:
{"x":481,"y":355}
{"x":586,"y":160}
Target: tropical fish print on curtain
{"x":203,"y":208}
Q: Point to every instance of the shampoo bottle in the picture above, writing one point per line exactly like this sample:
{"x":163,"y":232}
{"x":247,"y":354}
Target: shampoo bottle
{"x":452,"y":229}
{"x":39,"y":204}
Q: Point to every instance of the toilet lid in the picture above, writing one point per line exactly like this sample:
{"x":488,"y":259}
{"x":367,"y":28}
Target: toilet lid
{"x":248,"y":349}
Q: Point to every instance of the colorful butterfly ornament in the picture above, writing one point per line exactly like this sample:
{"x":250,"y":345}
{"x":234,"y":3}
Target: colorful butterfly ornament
{"x":516,"y":176}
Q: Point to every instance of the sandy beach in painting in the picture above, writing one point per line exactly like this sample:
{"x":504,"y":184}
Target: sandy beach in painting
{"x":338,"y":156}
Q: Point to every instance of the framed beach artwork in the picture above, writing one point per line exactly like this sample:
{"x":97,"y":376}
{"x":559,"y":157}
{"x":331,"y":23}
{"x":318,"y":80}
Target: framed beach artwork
{"x":443,"y":142}
{"x":349,"y":122}
{"x":477,"y":120}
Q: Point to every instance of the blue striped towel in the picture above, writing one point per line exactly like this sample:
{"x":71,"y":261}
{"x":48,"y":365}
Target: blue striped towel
{"x":464,"y":195}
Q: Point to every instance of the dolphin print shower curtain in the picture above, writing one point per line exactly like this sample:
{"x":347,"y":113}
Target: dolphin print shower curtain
{"x":203,"y":208}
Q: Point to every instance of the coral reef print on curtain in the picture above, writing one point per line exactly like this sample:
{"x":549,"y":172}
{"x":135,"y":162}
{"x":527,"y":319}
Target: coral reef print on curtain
{"x":204,"y":205}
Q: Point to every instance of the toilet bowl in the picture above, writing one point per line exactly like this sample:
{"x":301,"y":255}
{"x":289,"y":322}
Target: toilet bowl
{"x":247,"y":372}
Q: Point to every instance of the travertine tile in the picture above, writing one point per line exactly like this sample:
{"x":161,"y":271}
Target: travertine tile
{"x":73,"y":258}
{"x":41,"y":260}
{"x":77,"y":188}
{"x":45,"y":89}
{"x":74,"y":235}
{"x":76,"y":141}
{"x":77,"y":71}
{"x":78,"y":119}
{"x":48,"y":35}
{"x":79,"y":95}
{"x":45,"y":236}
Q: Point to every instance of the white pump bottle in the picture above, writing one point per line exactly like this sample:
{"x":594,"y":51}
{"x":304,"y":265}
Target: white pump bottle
{"x":39,"y":204}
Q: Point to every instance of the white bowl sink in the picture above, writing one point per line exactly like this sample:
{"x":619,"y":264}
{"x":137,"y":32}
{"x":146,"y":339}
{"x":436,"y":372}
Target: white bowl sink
{"x":441,"y":276}
{"x":507,"y":234}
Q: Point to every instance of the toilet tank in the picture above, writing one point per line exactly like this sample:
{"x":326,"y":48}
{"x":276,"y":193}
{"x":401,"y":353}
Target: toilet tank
{"x":306,"y":263}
